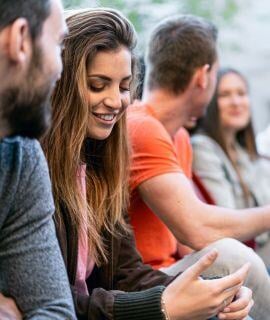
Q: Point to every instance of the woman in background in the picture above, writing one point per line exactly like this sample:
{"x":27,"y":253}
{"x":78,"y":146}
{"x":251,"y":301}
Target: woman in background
{"x":224,"y":149}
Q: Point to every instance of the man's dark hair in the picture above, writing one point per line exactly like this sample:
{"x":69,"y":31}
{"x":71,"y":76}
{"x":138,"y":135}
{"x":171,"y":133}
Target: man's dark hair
{"x":35,"y":11}
{"x":178,"y":46}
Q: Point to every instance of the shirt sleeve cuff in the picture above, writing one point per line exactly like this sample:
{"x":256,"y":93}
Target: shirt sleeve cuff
{"x":143,"y":305}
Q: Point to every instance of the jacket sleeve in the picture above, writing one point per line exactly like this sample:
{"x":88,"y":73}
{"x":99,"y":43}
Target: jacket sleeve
{"x":119,"y":305}
{"x":141,"y":287}
{"x":138,"y":288}
{"x":131,"y":274}
{"x":210,"y":166}
{"x":140,"y":280}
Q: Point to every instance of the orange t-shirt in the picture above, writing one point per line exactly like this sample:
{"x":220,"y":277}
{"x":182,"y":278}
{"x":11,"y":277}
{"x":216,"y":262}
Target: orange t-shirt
{"x":154,"y":153}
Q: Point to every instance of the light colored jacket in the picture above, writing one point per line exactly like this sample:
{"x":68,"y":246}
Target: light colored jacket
{"x":220,"y":178}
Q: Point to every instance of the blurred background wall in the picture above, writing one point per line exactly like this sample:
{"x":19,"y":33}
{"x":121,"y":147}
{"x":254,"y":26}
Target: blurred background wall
{"x":244,"y":28}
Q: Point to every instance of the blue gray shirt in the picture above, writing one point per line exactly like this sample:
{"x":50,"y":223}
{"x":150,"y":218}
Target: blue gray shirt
{"x":31,"y":266}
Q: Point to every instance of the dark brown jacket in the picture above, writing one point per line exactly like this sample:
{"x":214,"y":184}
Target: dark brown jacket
{"x":118,"y":289}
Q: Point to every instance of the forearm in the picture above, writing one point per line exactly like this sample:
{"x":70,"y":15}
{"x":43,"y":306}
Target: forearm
{"x":203,"y":224}
{"x":218,"y":222}
{"x":195,"y":223}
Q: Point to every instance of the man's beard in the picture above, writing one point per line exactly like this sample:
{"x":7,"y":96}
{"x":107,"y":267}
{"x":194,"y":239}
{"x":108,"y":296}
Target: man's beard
{"x":26,"y":108}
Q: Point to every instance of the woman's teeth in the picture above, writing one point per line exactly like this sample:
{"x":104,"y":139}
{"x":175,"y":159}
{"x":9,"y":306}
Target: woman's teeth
{"x":106,"y":117}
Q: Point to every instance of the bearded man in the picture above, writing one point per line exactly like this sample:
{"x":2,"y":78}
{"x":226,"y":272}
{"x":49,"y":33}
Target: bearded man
{"x":33,"y":280}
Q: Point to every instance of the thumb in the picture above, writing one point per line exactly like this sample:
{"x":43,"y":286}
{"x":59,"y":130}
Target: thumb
{"x":202,"y":264}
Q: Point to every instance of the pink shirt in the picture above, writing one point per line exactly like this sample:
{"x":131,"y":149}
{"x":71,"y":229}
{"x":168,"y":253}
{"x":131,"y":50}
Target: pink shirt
{"x":85,"y":264}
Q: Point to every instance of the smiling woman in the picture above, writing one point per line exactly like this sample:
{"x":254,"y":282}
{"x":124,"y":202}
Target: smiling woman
{"x":88,"y":106}
{"x":225,"y":153}
{"x":108,"y":90}
{"x":227,"y":131}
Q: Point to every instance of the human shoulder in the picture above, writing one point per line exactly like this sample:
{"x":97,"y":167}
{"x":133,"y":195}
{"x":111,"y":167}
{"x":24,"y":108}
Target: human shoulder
{"x":24,"y":181}
{"x":19,"y":155}
{"x":143,"y":126}
{"x":140,"y":115}
{"x":23,"y":168}
{"x":202,"y":143}
{"x":207,"y":151}
{"x":201,"y":139}
{"x":20,"y":147}
{"x":182,"y":136}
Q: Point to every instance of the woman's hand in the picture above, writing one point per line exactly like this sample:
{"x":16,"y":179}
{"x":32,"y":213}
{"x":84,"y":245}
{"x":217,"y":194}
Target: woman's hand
{"x":240,"y":307}
{"x":189,"y":297}
{"x":9,"y":309}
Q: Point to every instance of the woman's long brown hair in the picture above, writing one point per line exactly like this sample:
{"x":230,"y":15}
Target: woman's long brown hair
{"x":211,"y":125}
{"x":66,"y":146}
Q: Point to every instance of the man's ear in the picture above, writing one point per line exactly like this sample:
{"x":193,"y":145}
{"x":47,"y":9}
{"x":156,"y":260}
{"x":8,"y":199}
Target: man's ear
{"x":202,"y":76}
{"x":19,"y":42}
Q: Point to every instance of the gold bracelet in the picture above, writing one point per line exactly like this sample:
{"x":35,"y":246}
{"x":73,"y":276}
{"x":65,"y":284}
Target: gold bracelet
{"x":163,"y":309}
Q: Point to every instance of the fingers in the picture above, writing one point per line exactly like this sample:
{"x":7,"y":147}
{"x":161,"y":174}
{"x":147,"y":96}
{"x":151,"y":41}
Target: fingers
{"x":235,"y":279}
{"x":202,"y":264}
{"x":237,"y":315}
{"x":240,"y":308}
{"x":228,"y":296}
{"x":243,"y":297}
{"x":9,"y":309}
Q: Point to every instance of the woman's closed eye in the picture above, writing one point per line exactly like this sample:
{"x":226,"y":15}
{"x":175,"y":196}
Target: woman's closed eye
{"x":224,"y":94}
{"x":242,"y":93}
{"x":96,"y":86}
{"x":125,"y":85}
{"x":123,"y":89}
{"x":96,"y":89}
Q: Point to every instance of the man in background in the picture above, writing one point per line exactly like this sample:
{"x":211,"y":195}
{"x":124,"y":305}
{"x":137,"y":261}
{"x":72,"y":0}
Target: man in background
{"x":181,"y":68}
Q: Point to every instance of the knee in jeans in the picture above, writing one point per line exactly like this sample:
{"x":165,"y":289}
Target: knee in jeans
{"x":234,"y":254}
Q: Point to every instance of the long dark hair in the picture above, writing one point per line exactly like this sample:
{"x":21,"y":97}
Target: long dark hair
{"x":90,"y":31}
{"x":210,"y":124}
{"x":211,"y":121}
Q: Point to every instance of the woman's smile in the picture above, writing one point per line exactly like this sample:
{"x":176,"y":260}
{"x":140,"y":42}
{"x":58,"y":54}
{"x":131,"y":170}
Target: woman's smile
{"x":108,"y":118}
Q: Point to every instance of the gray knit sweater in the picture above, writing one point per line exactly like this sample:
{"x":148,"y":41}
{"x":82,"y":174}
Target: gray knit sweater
{"x":31,"y":266}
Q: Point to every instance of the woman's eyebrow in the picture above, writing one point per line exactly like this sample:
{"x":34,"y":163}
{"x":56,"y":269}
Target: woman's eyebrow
{"x":127,"y":78}
{"x":100,"y":76}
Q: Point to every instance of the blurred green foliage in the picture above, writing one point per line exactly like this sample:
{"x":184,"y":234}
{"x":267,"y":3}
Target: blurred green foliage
{"x":144,"y":13}
{"x":72,"y":3}
{"x":212,"y":9}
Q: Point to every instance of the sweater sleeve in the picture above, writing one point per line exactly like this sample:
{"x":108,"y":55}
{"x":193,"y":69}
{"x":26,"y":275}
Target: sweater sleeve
{"x":142,"y":284}
{"x":131,"y":274}
{"x":119,"y":305}
{"x":31,"y":266}
{"x":137,"y":288}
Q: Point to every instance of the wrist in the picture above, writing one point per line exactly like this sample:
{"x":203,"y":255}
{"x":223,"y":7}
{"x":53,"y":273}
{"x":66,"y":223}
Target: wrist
{"x":164,"y":308}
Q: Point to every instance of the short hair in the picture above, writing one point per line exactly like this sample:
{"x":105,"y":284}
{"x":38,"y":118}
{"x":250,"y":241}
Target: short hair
{"x":177,"y":47}
{"x":34,"y":11}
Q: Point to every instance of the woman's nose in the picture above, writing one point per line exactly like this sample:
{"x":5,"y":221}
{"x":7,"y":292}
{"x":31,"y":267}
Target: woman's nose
{"x":114,"y":99}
